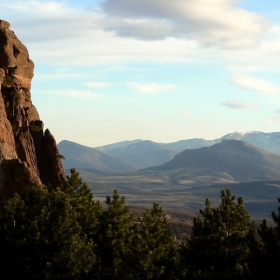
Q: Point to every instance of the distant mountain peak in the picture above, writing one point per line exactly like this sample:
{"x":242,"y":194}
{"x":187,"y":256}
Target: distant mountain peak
{"x":232,"y":156}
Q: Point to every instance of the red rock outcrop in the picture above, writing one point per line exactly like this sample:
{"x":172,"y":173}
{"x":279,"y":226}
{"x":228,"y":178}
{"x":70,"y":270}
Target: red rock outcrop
{"x":27,"y":154}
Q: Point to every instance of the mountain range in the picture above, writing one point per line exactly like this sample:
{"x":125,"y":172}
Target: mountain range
{"x":144,"y":153}
{"x":79,"y":156}
{"x":128,"y":156}
{"x":232,"y":160}
{"x":183,"y":181}
{"x":266,"y":141}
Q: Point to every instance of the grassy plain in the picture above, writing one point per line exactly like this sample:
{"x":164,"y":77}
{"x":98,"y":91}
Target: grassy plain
{"x":260,"y":197}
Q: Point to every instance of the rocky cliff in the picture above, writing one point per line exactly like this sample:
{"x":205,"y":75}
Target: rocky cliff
{"x":28,"y":155}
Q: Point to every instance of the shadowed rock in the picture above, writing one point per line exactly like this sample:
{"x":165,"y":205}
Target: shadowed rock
{"x":27,"y":154}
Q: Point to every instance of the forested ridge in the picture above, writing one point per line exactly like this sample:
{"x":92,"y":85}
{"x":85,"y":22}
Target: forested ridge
{"x":63,"y":233}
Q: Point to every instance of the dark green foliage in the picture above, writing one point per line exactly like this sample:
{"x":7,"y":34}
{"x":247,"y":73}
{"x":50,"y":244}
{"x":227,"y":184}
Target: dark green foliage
{"x":62,"y":233}
{"x":8,"y":81}
{"x":10,"y":86}
{"x":81,"y":199}
{"x":26,"y":90}
{"x":59,"y":156}
{"x":134,"y":250}
{"x":219,"y":246}
{"x":113,"y":239}
{"x":35,"y":128}
{"x":41,"y":237}
{"x":42,"y":233}
{"x":154,"y":253}
{"x":268,"y":253}
{"x":16,"y":95}
{"x":26,"y":135}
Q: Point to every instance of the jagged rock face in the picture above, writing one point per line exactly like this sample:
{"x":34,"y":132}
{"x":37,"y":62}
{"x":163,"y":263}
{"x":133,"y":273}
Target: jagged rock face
{"x":48,"y":157}
{"x":14,"y":57}
{"x":27,"y":155}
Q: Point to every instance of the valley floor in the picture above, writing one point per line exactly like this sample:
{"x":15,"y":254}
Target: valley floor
{"x":260,"y":197}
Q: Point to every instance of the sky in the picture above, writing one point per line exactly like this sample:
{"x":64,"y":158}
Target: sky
{"x":114,"y":70}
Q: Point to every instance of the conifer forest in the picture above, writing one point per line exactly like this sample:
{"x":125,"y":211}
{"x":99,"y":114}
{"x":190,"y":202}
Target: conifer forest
{"x":64,"y":233}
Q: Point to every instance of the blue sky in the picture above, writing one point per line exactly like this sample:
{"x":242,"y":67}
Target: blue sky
{"x":113,"y":70}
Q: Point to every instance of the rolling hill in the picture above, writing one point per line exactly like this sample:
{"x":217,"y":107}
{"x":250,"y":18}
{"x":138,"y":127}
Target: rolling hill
{"x":190,"y":144}
{"x":113,"y":146}
{"x":230,"y":159}
{"x":266,"y":141}
{"x":144,"y":153}
{"x":79,"y":156}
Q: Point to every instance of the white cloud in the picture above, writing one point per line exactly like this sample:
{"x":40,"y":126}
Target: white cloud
{"x":81,"y":94}
{"x":151,"y":87}
{"x":243,"y":68}
{"x":252,"y":83}
{"x":186,"y":113}
{"x":45,"y":20}
{"x":236,"y":104}
{"x":56,"y":34}
{"x":269,"y":122}
{"x":274,"y":120}
{"x":218,"y":22}
{"x":262,"y":57}
{"x":97,"y":84}
{"x":77,"y":38}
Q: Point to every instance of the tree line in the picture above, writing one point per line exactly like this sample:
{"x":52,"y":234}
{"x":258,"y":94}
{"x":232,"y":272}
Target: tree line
{"x":63,"y":233}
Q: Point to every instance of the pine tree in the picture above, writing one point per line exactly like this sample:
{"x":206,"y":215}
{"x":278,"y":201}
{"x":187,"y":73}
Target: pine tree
{"x":153,"y":253}
{"x":82,"y":201}
{"x":113,"y":239}
{"x":268,"y":254}
{"x":219,"y":246}
{"x":46,"y":234}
